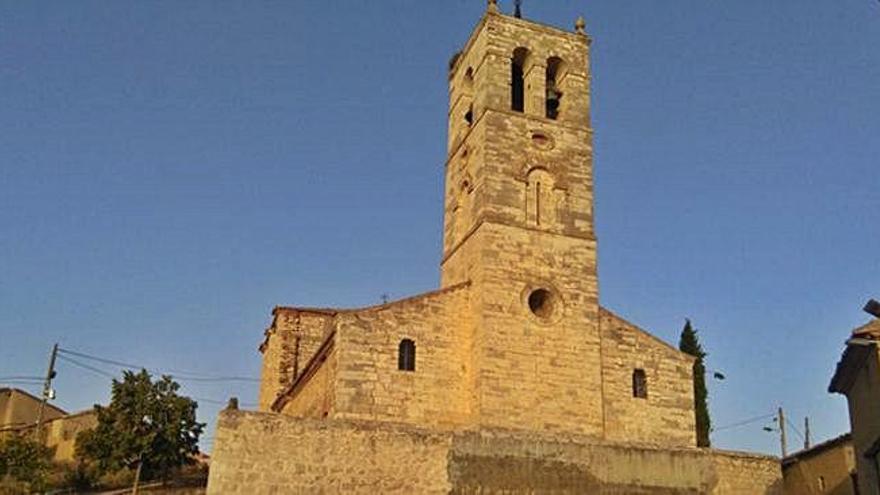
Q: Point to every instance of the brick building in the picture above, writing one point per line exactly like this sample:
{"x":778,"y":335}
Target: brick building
{"x":510,"y":376}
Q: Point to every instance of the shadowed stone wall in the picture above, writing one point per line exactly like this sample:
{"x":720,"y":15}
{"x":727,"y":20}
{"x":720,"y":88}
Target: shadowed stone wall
{"x":258,"y":453}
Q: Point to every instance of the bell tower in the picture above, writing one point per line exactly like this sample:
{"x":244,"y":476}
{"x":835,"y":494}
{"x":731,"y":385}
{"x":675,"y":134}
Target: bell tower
{"x":518,"y":222}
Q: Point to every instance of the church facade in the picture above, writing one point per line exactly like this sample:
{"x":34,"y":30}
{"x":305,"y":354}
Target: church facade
{"x":511,"y":367}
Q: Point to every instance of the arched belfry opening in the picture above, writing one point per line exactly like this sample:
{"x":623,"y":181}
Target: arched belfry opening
{"x":553,"y":99}
{"x":517,"y":79}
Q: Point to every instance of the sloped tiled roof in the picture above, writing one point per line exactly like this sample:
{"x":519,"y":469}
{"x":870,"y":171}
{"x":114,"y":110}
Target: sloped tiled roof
{"x":817,"y":449}
{"x":858,"y":348}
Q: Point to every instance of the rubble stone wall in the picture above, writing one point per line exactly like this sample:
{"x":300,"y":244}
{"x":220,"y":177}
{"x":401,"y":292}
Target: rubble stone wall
{"x":257,"y":453}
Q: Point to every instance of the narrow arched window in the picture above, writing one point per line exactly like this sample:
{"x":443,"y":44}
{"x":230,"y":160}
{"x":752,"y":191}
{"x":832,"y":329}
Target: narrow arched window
{"x":517,"y":81}
{"x":540,"y":200}
{"x":406,"y":355}
{"x":469,"y":94}
{"x":640,"y":384}
{"x":553,"y":99}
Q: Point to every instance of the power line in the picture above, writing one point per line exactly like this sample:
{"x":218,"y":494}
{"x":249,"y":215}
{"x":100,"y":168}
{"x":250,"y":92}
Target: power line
{"x":743,"y":422}
{"x":180,"y":375}
{"x":108,"y":375}
{"x":22,"y":377}
{"x":793,"y":427}
{"x":86,"y":366}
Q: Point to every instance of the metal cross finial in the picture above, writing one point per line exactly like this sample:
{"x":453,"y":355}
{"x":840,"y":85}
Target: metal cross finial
{"x":517,"y":11}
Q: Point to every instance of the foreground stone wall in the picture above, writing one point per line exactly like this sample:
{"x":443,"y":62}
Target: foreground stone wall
{"x":274,"y":453}
{"x":271,"y":453}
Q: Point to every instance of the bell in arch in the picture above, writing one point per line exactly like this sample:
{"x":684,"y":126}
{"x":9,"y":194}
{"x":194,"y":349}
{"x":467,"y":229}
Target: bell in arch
{"x":553,"y":101}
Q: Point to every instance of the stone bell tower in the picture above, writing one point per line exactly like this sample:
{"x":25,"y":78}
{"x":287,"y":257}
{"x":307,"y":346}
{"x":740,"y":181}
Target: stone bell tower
{"x":519,"y":223}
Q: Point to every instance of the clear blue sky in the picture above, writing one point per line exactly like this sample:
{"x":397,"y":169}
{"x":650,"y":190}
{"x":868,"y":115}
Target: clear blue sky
{"x":170,"y":171}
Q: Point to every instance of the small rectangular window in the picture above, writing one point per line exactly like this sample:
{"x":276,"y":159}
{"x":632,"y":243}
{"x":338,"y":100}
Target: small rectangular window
{"x":640,"y":384}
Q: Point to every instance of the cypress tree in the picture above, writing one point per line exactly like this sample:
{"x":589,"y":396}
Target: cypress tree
{"x":690,"y":344}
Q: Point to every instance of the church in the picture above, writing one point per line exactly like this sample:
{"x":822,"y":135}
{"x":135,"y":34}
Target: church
{"x":510,"y":377}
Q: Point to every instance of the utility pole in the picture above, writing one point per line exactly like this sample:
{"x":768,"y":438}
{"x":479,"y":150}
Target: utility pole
{"x":47,"y":391}
{"x":806,"y":432}
{"x":781,"y":420}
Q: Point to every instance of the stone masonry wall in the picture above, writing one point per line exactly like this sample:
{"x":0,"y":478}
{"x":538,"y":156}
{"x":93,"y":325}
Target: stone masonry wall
{"x":745,"y":474}
{"x":61,"y":433}
{"x":258,"y":453}
{"x":263,"y":453}
{"x":317,"y":397}
{"x":537,"y":373}
{"x":666,"y":416}
{"x":291,"y":341}
{"x":438,"y":392}
{"x":833,"y":464}
{"x":519,"y":219}
{"x":359,"y":378}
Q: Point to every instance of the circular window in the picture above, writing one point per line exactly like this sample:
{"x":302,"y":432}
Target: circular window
{"x":541,"y":303}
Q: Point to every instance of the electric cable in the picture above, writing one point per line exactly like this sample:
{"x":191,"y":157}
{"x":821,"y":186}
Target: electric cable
{"x":743,"y":422}
{"x":22,"y":378}
{"x":793,"y":427}
{"x":110,"y":375}
{"x":86,"y":366}
{"x":180,"y":375}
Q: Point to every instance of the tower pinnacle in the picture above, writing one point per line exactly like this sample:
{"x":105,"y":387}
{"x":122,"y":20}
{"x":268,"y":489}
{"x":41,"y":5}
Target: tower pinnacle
{"x":580,"y":25}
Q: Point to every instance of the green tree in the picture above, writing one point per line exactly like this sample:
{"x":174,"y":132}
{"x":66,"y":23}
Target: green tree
{"x":690,"y":344}
{"x":23,"y":459}
{"x":146,"y":423}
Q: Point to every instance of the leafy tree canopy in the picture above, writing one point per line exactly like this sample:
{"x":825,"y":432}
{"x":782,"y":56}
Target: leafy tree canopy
{"x":147,"y":422}
{"x":23,"y":459}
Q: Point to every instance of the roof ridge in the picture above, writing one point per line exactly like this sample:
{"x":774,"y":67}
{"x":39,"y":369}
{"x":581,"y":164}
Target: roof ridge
{"x":645,"y":332}
{"x":335,"y":311}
